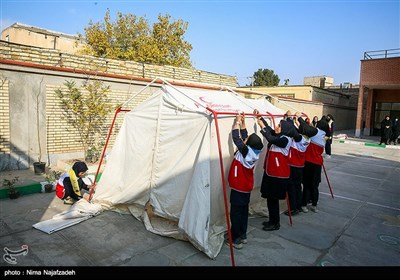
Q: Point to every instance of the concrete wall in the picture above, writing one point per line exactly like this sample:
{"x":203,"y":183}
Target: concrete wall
{"x":309,"y":108}
{"x":345,"y":117}
{"x":318,"y":81}
{"x":311,"y":93}
{"x":299,"y":92}
{"x":333,"y":98}
{"x":313,"y":101}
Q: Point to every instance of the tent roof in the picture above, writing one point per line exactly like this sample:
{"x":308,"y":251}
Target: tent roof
{"x":222,"y":101}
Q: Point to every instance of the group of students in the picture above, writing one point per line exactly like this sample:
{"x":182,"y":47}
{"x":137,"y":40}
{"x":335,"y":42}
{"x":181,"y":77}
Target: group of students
{"x":329,"y":135}
{"x":293,"y":158}
{"x":292,"y":165}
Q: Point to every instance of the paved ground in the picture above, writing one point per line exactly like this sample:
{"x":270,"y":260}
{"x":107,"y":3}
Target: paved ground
{"x":360,"y":227}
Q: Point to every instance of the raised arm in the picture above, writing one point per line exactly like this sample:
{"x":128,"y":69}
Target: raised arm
{"x":269,"y":133}
{"x":305,"y":128}
{"x":238,"y":139}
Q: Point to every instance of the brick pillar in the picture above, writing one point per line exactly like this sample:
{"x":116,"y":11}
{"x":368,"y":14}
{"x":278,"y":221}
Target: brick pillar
{"x":368,"y":118}
{"x":359,"y":111}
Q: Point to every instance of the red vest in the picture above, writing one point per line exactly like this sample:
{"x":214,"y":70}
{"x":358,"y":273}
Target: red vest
{"x":241,"y":173}
{"x":276,"y":163}
{"x":297,"y":152}
{"x":316,"y":148}
{"x":60,"y":191}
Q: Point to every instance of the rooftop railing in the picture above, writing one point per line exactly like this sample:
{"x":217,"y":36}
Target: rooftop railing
{"x":382,"y":54}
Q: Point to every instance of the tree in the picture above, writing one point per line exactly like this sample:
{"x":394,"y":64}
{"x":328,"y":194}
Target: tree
{"x":265,"y":77}
{"x":37,"y":95}
{"x":131,"y":38}
{"x":86,"y":113}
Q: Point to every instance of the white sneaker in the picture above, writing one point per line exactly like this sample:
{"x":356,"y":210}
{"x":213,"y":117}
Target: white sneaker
{"x":327,"y":156}
{"x":304,"y":209}
{"x":234,"y":245}
{"x":314,"y":209}
{"x":69,"y":201}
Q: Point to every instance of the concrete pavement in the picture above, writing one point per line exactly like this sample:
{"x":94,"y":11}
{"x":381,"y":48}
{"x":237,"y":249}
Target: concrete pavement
{"x":360,"y":227}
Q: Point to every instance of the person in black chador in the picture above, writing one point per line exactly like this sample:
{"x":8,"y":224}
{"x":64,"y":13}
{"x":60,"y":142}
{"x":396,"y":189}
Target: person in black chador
{"x":386,"y":130}
{"x":395,"y":131}
{"x":329,"y":135}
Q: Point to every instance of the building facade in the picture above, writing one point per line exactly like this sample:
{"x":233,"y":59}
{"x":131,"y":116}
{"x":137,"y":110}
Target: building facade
{"x":312,"y":100}
{"x":379,"y":90}
{"x":38,"y":37}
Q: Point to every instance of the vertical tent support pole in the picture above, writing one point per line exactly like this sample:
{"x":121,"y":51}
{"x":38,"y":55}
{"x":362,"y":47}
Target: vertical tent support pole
{"x":329,"y":184}
{"x":221,"y":165}
{"x":105,"y":147}
{"x":288,"y":207}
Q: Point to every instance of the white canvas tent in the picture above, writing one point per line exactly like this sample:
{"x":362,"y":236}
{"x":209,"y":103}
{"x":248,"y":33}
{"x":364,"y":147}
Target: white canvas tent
{"x":166,"y":164}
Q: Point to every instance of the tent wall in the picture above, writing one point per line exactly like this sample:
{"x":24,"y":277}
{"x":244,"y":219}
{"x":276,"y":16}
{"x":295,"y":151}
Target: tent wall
{"x":164,"y":167}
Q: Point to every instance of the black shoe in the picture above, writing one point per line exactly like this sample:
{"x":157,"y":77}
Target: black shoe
{"x":271,"y":227}
{"x":292,"y":212}
{"x":266,"y":223}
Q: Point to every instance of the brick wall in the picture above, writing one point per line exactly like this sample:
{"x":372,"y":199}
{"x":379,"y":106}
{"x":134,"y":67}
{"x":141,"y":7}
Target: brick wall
{"x":4,"y":117}
{"x":380,"y":71}
{"x":57,"y":127}
{"x":51,"y":57}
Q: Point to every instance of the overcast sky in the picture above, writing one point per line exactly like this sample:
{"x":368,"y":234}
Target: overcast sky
{"x":295,"y":39}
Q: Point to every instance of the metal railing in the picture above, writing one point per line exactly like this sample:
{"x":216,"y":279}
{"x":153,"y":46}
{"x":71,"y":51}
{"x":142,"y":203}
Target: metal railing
{"x":382,"y":54}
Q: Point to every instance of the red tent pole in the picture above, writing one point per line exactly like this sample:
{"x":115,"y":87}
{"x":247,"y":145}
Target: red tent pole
{"x":288,"y":207}
{"x":326,"y":175}
{"x":272,"y":118}
{"x":221,"y":165}
{"x":105,"y":147}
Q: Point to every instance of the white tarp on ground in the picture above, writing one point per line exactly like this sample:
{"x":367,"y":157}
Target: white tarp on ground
{"x":79,"y":212}
{"x":164,"y":167}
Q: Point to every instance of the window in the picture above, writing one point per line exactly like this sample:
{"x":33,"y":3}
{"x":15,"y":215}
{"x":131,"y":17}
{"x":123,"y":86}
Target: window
{"x":383,"y":106}
{"x":290,"y":95}
{"x":384,"y":109}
